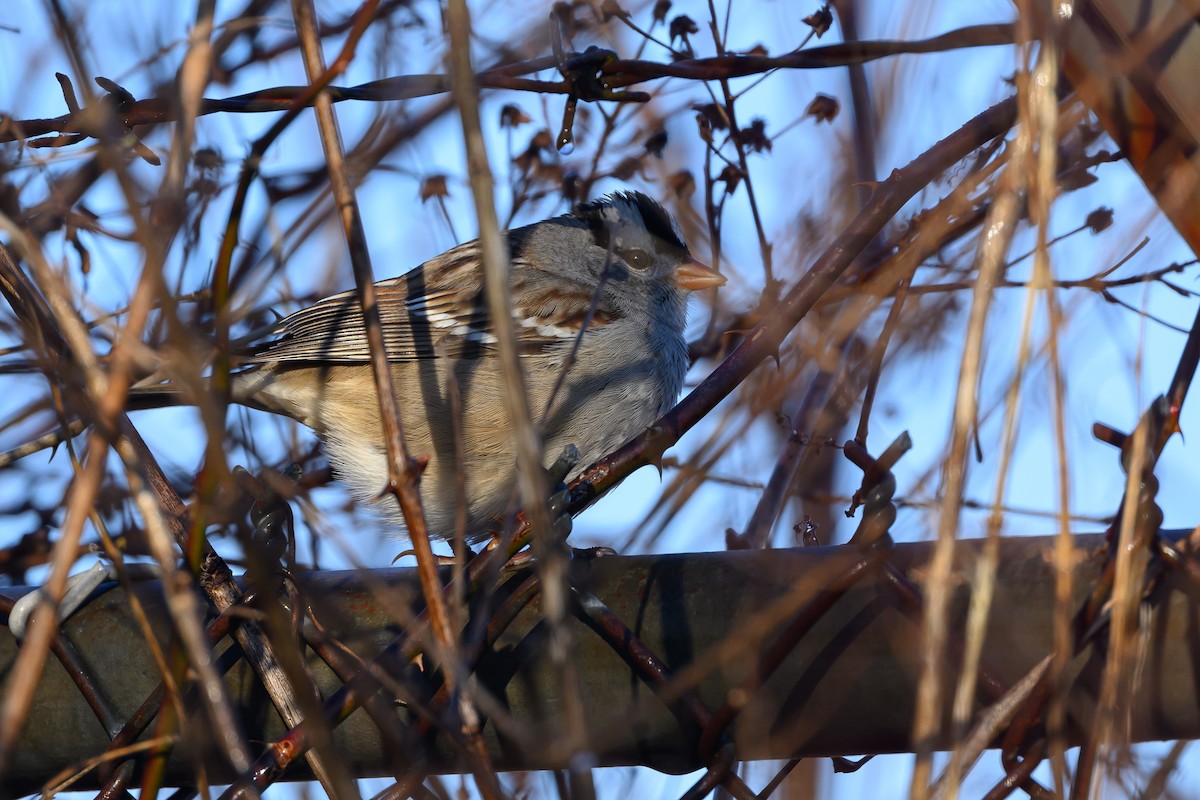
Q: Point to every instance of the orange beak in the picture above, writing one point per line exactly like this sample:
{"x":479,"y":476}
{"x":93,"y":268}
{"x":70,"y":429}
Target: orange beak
{"x":692,"y":276}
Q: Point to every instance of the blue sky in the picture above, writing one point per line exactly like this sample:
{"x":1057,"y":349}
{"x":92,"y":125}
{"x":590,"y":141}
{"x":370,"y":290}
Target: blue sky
{"x":1114,"y":361}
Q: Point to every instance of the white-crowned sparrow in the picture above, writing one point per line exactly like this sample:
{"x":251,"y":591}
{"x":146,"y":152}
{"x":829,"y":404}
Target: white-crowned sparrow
{"x":614,"y":268}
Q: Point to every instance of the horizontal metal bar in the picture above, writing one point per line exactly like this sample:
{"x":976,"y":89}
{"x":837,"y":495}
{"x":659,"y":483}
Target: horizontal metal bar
{"x":847,"y":687}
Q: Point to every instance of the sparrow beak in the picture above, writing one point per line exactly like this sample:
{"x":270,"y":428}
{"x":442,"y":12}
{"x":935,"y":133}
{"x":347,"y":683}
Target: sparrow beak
{"x":692,"y":276}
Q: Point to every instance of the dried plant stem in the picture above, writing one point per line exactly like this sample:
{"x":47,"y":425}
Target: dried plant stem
{"x":184,"y":604}
{"x":216,"y":581}
{"x":531,"y":481}
{"x":63,"y":780}
{"x":984,"y":579}
{"x":1131,"y":562}
{"x":403,"y":471}
{"x":1043,"y":116}
{"x":1045,"y":110}
{"x":27,"y":669}
{"x":994,"y":241}
{"x":113,"y":385}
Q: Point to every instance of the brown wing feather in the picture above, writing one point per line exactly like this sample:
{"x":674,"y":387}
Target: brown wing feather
{"x":419,"y":324}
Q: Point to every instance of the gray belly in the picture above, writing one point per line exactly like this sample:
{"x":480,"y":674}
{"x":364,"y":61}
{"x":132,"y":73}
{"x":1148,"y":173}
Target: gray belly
{"x":454,"y":413}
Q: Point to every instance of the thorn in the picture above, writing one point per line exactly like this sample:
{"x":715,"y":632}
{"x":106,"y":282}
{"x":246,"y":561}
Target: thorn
{"x":1108,"y":435}
{"x":1171,"y":424}
{"x":735,"y":540}
{"x":656,"y":460}
{"x":119,"y":92}
{"x":658,"y":441}
{"x":566,"y":136}
{"x":68,"y":90}
{"x":146,"y":153}
{"x":774,"y":288}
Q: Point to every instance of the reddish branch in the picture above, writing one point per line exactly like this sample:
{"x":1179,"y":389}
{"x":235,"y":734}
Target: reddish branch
{"x":765,"y":340}
{"x":128,"y":113}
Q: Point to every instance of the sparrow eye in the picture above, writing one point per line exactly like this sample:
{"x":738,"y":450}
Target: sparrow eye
{"x":637,"y":258}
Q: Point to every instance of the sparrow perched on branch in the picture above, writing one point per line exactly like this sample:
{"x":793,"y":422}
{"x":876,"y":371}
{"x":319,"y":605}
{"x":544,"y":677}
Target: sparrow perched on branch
{"x":599,"y":299}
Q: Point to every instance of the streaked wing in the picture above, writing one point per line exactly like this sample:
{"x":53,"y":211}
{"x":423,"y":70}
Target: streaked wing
{"x":419,"y":322}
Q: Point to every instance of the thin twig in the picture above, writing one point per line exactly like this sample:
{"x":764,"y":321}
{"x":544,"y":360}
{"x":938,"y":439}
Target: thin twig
{"x":531,"y":481}
{"x":617,"y":74}
{"x":403,"y":472}
{"x":998,"y":232}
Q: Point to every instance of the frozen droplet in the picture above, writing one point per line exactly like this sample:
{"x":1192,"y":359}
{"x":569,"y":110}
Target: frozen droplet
{"x":566,"y":148}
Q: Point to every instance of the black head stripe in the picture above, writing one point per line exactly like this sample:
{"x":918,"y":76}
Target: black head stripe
{"x":656,"y":218}
{"x":592,"y":214}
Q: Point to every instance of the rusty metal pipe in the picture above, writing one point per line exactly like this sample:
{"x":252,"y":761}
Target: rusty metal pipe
{"x":847,"y":687}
